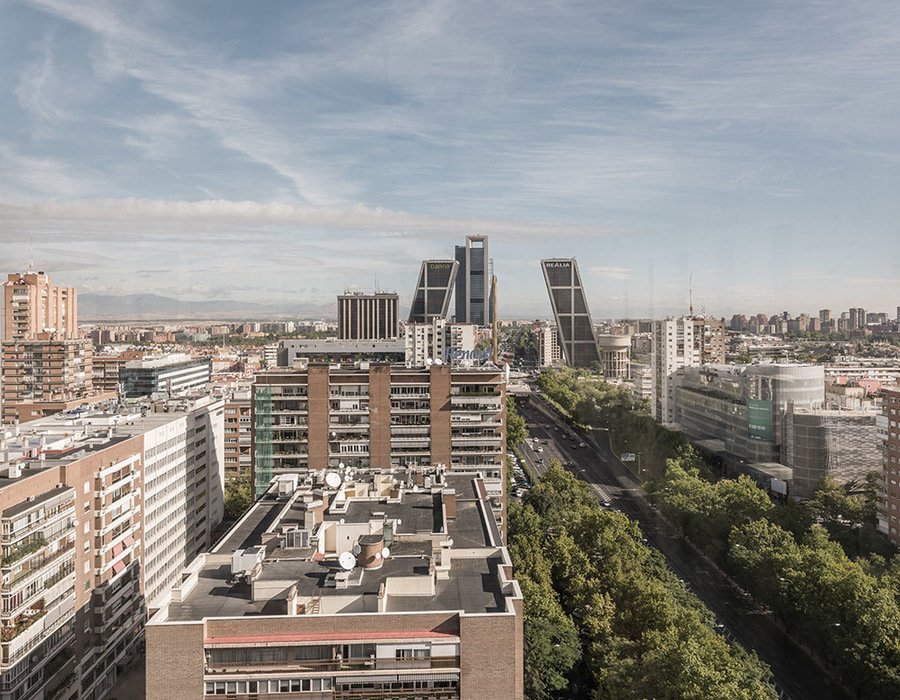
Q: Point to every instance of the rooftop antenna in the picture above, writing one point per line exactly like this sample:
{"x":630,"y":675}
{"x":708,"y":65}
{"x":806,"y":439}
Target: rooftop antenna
{"x":31,"y":258}
{"x":494,"y":319}
{"x":691,"y":292}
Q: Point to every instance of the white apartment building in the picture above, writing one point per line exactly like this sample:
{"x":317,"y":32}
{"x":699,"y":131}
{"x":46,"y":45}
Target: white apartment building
{"x":549,"y":354}
{"x":674,"y":347}
{"x":438,"y":340}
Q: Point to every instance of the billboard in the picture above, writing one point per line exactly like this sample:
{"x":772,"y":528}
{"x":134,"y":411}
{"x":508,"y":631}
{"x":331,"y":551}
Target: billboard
{"x":759,"y":419}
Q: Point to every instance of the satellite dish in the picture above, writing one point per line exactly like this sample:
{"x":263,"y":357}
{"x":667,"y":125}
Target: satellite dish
{"x":429,"y":362}
{"x":356,"y":549}
{"x":378,"y":555}
{"x":438,"y":361}
{"x":332,"y":480}
{"x":347,"y":561}
{"x":340,"y":464}
{"x":347,"y":479}
{"x":385,"y":553}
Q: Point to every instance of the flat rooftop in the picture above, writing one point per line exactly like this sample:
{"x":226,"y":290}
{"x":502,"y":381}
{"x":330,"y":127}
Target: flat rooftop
{"x":433,"y":563}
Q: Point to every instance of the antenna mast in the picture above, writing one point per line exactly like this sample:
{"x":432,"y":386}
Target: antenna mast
{"x":691,"y":293}
{"x":494,"y":316}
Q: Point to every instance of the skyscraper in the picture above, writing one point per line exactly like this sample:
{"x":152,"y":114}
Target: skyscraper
{"x":431,"y":299}
{"x":577,"y":336}
{"x":473,"y":282}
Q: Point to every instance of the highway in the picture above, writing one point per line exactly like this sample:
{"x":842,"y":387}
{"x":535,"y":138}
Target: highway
{"x":796,"y":675}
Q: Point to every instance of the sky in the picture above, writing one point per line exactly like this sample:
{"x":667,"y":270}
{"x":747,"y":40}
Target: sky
{"x":283,"y":152}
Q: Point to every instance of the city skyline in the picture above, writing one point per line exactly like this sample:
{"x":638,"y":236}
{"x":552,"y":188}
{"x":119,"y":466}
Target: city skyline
{"x":145,"y":150}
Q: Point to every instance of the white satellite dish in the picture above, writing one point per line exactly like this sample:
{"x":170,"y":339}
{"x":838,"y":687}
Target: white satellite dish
{"x":340,"y":465}
{"x":429,"y":362}
{"x":438,"y":361}
{"x":356,"y":549}
{"x":378,"y":555}
{"x":347,"y":561}
{"x":385,"y":553}
{"x":348,"y":479}
{"x":333,"y":480}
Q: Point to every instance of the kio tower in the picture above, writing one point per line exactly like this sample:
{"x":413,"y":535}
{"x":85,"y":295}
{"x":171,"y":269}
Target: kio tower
{"x":473,"y":282}
{"x":431,"y":299}
{"x":577,"y":337}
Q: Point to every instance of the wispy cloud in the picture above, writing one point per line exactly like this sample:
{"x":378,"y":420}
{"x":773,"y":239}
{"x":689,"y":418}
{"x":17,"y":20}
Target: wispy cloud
{"x":614,"y":273}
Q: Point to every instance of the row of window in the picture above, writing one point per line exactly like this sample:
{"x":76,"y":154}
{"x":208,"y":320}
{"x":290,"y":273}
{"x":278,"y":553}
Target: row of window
{"x":290,"y":685}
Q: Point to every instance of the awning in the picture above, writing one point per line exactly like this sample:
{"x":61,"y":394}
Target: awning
{"x":129,"y":541}
{"x":117,"y":549}
{"x":118,"y":566}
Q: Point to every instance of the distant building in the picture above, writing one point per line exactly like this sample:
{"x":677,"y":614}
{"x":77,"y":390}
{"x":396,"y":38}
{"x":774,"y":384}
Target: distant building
{"x":434,"y":288}
{"x":348,"y":585}
{"x":818,"y":443}
{"x":368,"y":316}
{"x":51,"y":370}
{"x":473,"y":282}
{"x":238,"y":434}
{"x":32,"y":305}
{"x":687,"y":341}
{"x":615,"y":362}
{"x":108,"y":367}
{"x":547,"y":340}
{"x":168,"y":374}
{"x":576,"y":333}
{"x":297,"y":351}
{"x":453,"y":343}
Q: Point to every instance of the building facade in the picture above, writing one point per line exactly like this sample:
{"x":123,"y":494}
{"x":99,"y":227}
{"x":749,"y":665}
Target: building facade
{"x":431,"y":299}
{"x":33,"y":305}
{"x":238,"y":434}
{"x":166,"y":374}
{"x":547,"y":341}
{"x":575,"y":329}
{"x":51,"y":370}
{"x":97,"y":510}
{"x":368,"y":316}
{"x":453,"y":343}
{"x":615,"y":356}
{"x":337,"y":585}
{"x":889,"y":498}
{"x":378,"y":416}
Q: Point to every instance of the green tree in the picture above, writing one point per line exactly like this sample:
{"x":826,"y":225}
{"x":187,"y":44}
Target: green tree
{"x":238,"y":497}
{"x":516,"y":432}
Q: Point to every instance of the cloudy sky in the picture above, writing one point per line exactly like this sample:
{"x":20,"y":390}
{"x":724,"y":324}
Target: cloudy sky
{"x":286,"y":151}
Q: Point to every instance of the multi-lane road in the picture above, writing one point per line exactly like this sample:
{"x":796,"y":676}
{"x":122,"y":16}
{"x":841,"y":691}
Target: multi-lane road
{"x":796,"y":675}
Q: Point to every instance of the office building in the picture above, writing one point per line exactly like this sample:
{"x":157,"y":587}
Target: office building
{"x":576,"y":334}
{"x":368,"y":316}
{"x":743,"y":408}
{"x":843,"y":445}
{"x":393,"y":584}
{"x":300,"y":352}
{"x":547,"y":341}
{"x":32,"y":306}
{"x":378,"y":416}
{"x":165,"y":374}
{"x":431,"y":298}
{"x":107,"y":368}
{"x":101,"y":511}
{"x":453,"y":343}
{"x":473,"y":282}
{"x":43,"y":376}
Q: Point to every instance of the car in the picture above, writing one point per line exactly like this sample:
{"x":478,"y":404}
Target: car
{"x":582,"y":444}
{"x":539,"y":460}
{"x":540,"y":449}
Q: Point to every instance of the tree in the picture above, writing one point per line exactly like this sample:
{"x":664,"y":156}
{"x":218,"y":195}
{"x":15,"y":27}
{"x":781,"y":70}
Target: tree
{"x":238,"y":497}
{"x":516,"y":432}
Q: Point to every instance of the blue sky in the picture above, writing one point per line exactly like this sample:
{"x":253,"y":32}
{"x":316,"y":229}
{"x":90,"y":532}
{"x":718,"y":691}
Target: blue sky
{"x":288,"y":150}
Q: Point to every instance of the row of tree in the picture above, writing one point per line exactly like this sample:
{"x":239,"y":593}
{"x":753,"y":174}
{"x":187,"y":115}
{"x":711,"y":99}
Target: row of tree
{"x":846,"y":610}
{"x":604,"y":617}
{"x":587,"y":399}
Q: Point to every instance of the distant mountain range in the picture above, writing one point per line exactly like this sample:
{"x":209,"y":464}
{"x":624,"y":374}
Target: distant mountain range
{"x":146,"y":307}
